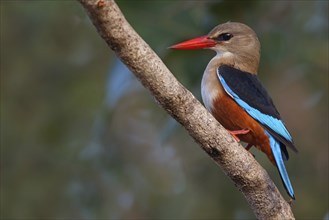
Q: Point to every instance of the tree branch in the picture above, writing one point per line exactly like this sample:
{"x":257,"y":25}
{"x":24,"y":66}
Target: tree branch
{"x":248,"y":176}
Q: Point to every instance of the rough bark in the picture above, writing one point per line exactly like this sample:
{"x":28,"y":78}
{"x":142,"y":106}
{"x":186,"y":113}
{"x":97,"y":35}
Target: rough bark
{"x":247,"y":175}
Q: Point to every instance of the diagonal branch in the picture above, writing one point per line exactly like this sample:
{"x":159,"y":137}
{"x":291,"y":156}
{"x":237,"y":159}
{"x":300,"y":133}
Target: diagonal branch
{"x":248,"y":176}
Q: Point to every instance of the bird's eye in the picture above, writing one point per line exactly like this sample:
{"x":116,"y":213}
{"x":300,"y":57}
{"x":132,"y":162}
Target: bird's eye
{"x":224,"y":37}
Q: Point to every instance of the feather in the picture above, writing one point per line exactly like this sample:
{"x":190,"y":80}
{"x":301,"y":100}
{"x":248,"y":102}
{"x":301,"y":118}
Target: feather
{"x":276,"y":149}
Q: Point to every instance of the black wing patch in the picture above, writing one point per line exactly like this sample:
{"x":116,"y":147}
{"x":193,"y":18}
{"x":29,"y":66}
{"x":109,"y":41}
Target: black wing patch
{"x":248,"y":87}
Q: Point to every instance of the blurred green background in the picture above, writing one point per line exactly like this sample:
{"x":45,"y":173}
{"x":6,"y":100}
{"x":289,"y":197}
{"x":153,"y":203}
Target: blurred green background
{"x":81,"y":138}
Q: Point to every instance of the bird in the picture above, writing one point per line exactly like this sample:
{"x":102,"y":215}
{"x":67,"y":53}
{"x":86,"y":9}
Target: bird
{"x":232,"y":92}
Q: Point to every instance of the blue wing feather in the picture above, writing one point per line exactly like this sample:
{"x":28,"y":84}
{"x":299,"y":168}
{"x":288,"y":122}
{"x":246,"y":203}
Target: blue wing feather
{"x":276,"y":149}
{"x":274,"y":123}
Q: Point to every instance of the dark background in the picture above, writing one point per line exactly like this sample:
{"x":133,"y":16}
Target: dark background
{"x":81,"y":138}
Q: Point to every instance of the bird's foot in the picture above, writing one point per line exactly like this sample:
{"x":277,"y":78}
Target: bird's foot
{"x":235,"y":133}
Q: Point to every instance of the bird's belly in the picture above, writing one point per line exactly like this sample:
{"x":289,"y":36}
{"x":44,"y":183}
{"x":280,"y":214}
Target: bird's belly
{"x":233,"y":117}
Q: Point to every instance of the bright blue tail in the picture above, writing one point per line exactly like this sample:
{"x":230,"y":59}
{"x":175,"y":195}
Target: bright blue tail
{"x":275,"y":146}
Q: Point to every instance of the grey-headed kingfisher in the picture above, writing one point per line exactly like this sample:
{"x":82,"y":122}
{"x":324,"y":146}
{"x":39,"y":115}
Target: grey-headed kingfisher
{"x":232,"y":92}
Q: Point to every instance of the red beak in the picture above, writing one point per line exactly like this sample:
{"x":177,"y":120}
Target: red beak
{"x":196,"y":43}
